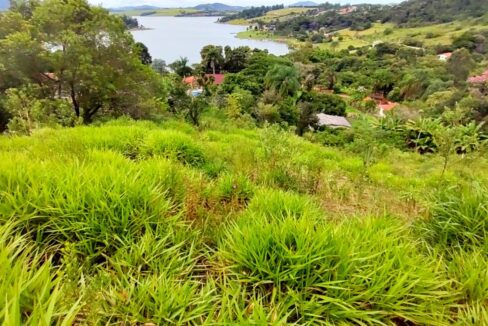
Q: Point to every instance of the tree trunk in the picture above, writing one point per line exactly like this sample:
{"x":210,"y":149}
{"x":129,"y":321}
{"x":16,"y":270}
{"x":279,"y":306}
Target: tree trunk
{"x":76,"y":105}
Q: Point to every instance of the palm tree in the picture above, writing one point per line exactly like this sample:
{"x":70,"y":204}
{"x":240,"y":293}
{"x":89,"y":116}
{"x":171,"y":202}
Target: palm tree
{"x":283,"y":80}
{"x":212,"y":57}
{"x":181,"y":67}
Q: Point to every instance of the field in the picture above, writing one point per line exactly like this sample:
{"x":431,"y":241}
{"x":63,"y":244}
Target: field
{"x":137,"y":223}
{"x":429,"y":35}
{"x":158,"y":12}
{"x":280,"y":14}
{"x":440,"y":34}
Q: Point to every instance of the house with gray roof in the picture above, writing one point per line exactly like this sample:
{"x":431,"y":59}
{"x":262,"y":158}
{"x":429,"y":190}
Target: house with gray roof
{"x":332,"y":121}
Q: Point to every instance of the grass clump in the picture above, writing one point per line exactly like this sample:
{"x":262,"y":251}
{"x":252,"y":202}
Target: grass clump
{"x":368,"y":272}
{"x":174,"y":145}
{"x":459,"y":218}
{"x":32,"y":293}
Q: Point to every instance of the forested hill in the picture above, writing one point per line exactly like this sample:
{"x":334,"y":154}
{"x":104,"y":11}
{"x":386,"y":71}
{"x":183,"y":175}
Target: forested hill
{"x":362,"y":17}
{"x":417,"y":11}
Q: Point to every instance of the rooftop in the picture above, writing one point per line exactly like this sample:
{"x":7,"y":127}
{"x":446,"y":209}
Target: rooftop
{"x":333,"y":121}
{"x":483,"y":78}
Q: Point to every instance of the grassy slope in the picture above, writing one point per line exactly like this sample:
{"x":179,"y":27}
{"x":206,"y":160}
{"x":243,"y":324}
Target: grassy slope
{"x":169,"y":224}
{"x":280,"y":14}
{"x":442,"y":34}
{"x":159,"y":12}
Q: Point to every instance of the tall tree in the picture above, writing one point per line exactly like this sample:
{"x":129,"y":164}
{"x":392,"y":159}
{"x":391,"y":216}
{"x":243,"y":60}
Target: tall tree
{"x":460,"y":64}
{"x":144,"y":54}
{"x":283,"y":80}
{"x":181,"y":68}
{"x":88,"y":53}
{"x":212,"y":58}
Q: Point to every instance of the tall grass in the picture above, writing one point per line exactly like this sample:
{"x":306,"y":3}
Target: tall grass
{"x":31,"y":291}
{"x":133,"y":223}
{"x":361,"y":272}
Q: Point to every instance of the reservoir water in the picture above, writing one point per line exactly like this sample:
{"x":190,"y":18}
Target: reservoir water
{"x":170,"y":38}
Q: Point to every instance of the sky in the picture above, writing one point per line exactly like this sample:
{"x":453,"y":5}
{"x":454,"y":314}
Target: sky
{"x":191,"y":3}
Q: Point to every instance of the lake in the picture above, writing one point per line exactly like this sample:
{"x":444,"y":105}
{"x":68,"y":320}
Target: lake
{"x":170,"y":38}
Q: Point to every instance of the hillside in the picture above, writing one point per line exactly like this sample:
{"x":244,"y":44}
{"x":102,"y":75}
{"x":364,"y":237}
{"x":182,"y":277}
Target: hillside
{"x":418,"y":11}
{"x":223,"y":219}
{"x":217,"y":7}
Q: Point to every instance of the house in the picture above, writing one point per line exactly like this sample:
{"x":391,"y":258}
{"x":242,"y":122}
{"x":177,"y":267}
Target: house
{"x":444,"y":56}
{"x":382,"y":104}
{"x":196,"y":89}
{"x":192,"y":81}
{"x":480,"y":79}
{"x":332,"y":121}
{"x":386,"y":106}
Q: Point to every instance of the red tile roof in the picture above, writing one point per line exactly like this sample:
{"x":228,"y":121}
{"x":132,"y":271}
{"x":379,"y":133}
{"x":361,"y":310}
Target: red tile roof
{"x":483,"y":78}
{"x":189,"y":80}
{"x":387,"y":106}
{"x":218,"y":79}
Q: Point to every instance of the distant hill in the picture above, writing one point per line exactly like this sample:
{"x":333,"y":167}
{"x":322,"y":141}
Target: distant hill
{"x":129,"y":8}
{"x":304,"y":4}
{"x":4,"y":4}
{"x":217,"y":7}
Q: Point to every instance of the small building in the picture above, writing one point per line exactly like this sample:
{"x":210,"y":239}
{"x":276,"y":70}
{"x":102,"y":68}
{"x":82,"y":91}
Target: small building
{"x":332,"y":121}
{"x":386,"y":106}
{"x":444,"y":56}
{"x":192,"y":81}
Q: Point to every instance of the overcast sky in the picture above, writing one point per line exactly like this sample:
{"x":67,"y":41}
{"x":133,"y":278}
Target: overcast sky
{"x":190,"y":3}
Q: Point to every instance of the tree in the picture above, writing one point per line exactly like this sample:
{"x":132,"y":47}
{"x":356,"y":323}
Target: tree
{"x":159,"y":66}
{"x":181,"y":68}
{"x":195,"y":110}
{"x":144,"y":55}
{"x":307,"y":118}
{"x":451,"y":136}
{"x":236,"y":59}
{"x":460,"y":64}
{"x":283,"y":80}
{"x":212,"y":58}
{"x":90,"y":58}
